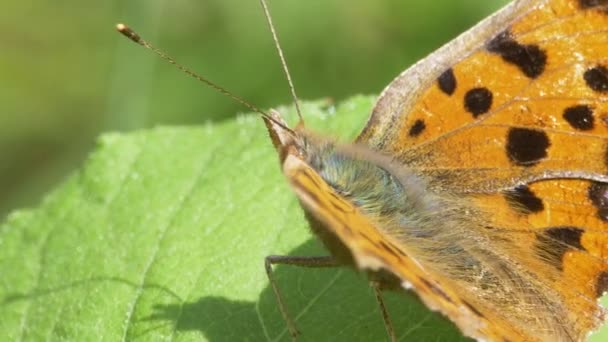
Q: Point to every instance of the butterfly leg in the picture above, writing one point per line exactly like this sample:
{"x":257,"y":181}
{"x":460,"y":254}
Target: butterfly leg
{"x":310,"y":262}
{"x":385,"y":317}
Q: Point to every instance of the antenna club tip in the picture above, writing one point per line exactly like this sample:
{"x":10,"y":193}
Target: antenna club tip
{"x":127,"y":32}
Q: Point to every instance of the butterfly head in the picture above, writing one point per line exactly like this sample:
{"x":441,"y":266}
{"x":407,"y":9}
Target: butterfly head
{"x":298,"y":148}
{"x":367,"y":179}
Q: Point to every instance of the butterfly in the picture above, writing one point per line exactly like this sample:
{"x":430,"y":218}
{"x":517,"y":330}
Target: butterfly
{"x":480,"y":181}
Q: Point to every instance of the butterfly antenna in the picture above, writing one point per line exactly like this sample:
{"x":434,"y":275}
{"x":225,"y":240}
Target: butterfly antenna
{"x":132,"y":35}
{"x":277,"y":45}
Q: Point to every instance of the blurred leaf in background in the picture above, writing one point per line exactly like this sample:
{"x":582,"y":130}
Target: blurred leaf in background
{"x":68,"y":76}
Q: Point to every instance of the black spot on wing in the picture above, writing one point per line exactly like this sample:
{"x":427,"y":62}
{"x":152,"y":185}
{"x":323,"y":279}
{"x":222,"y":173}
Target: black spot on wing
{"x":601,"y":285}
{"x":524,"y":200}
{"x":417,"y":128}
{"x":553,"y":243}
{"x":598,"y":194}
{"x":526,"y":147}
{"x":597,"y":78}
{"x":478,"y":101}
{"x":570,"y":236}
{"x":586,"y":4}
{"x":530,"y":59}
{"x":579,"y":117}
{"x":447,"y":82}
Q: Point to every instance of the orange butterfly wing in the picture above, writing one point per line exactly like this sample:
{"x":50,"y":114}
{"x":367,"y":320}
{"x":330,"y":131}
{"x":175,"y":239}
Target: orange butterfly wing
{"x":520,"y":123}
{"x":534,"y":89}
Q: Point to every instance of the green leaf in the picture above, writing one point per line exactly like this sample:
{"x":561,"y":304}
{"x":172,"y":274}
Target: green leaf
{"x":162,"y":236}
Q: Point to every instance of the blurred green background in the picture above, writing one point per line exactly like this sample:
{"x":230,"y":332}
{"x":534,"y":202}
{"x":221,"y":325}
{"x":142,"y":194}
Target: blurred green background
{"x":68,"y":76}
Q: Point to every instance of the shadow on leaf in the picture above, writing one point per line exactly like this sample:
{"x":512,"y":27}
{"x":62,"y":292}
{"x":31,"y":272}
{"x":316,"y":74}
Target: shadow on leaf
{"x":334,"y":303}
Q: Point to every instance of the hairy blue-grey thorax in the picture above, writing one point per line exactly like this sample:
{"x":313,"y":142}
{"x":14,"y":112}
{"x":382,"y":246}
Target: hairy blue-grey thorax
{"x":373,"y":187}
